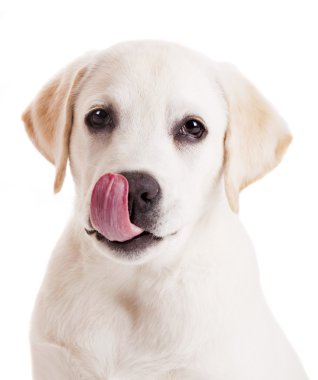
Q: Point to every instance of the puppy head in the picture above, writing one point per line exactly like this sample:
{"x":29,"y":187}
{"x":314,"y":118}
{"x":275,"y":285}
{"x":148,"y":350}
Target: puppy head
{"x":152,"y":131}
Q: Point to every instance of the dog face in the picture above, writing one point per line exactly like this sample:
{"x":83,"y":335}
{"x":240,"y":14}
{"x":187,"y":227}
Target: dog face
{"x":163,"y":127}
{"x":154,"y":133}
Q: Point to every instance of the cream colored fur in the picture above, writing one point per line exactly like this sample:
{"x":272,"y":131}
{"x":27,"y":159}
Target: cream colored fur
{"x":191,"y":307}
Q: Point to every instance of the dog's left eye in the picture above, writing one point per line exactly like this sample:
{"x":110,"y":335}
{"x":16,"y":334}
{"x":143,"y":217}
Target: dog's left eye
{"x":192,"y":128}
{"x":98,"y":119}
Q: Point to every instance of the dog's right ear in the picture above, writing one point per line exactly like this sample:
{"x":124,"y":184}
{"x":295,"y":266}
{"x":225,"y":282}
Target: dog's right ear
{"x":48,"y":119}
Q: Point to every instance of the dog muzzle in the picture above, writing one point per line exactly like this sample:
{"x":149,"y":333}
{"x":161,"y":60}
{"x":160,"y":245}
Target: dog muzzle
{"x":109,"y":208}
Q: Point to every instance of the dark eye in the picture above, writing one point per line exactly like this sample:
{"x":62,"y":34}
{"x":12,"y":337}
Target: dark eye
{"x":98,"y":119}
{"x":192,"y":128}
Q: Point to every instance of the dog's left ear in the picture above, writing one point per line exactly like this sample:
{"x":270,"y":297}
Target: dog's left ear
{"x":48,"y":119}
{"x":256,"y":136}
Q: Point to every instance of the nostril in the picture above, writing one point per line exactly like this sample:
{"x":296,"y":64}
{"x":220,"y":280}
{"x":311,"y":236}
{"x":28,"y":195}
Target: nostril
{"x":145,"y":197}
{"x":150,"y":194}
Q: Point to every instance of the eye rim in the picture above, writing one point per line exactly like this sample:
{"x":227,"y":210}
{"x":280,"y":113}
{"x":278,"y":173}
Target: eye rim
{"x":107,"y":124}
{"x":181,"y":134}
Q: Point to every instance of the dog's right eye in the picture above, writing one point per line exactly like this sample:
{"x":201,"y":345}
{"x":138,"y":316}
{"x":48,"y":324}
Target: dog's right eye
{"x":98,"y":119}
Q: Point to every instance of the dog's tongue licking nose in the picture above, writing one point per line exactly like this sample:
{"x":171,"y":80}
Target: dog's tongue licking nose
{"x":109,"y":208}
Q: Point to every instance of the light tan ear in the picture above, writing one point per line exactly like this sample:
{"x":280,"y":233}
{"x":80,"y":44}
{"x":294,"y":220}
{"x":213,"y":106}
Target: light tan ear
{"x":256,"y":136}
{"x":48,"y":119}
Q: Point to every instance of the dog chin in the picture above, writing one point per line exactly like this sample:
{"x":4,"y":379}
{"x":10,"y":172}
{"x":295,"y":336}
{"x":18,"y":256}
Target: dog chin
{"x":132,"y":250}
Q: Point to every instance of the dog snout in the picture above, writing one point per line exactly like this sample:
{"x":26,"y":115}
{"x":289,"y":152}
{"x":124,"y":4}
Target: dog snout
{"x":143,"y":198}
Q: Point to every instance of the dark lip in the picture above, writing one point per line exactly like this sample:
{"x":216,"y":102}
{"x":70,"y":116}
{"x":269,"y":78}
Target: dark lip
{"x":138,"y":243}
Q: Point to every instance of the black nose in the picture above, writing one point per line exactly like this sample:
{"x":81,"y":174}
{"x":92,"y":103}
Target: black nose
{"x":143,"y":198}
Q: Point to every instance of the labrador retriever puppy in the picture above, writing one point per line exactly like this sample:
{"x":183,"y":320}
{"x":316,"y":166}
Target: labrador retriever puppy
{"x":154,"y":277}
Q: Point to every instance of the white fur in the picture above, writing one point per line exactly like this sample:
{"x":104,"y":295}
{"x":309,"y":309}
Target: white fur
{"x":191,"y":307}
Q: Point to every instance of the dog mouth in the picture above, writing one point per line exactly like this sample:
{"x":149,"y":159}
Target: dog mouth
{"x":110,"y":216}
{"x":136,"y":243}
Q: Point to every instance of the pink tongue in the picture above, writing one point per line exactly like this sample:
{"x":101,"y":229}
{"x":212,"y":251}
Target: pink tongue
{"x":109,"y":208}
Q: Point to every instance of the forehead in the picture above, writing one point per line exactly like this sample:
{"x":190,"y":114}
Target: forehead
{"x":152,"y":75}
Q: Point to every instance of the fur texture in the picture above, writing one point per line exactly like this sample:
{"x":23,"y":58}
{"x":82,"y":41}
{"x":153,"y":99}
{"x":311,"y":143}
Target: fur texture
{"x":190,"y":307}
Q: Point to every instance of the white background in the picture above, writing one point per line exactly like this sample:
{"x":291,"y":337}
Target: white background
{"x":273,"y":42}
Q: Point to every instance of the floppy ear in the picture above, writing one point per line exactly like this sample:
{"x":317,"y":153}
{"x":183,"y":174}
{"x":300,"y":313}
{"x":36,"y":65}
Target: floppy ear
{"x":48,"y":119}
{"x":256,"y":136}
